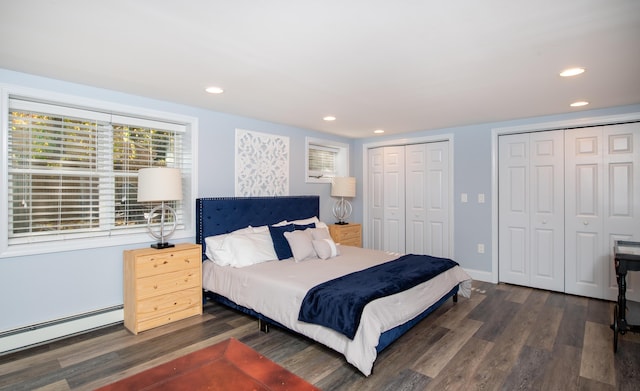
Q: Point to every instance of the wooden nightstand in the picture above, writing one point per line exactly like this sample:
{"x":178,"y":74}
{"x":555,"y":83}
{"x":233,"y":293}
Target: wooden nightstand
{"x":161,"y":286}
{"x":347,"y":234}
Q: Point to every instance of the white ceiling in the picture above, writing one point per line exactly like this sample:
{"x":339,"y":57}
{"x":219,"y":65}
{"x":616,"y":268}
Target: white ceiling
{"x":397,"y":65}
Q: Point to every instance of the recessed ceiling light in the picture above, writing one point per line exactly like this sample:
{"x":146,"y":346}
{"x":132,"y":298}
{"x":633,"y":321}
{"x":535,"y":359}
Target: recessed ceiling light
{"x":572,"y":72}
{"x":329,"y":118}
{"x":378,"y":131}
{"x":579,"y":103}
{"x":214,"y":90}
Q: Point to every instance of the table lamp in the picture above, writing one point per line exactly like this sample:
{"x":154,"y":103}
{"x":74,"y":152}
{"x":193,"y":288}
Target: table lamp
{"x":160,"y":184}
{"x":343,"y":187}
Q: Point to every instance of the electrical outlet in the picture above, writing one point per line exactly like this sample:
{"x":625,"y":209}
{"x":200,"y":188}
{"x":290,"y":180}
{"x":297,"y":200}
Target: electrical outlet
{"x":480,"y":248}
{"x":463,"y":197}
{"x":481,"y":198}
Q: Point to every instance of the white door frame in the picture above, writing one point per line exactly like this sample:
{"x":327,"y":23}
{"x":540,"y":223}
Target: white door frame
{"x":554,"y":125}
{"x":397,"y":142}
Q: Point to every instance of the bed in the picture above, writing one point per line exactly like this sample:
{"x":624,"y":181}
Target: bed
{"x":274,"y":290}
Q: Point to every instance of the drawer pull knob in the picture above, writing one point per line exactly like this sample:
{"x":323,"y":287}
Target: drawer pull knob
{"x":155,"y":287}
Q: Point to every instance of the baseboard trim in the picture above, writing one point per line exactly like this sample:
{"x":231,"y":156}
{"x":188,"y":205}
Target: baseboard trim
{"x":26,"y":337}
{"x":481,"y":275}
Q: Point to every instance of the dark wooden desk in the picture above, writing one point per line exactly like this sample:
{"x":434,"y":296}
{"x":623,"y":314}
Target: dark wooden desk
{"x":627,"y":258}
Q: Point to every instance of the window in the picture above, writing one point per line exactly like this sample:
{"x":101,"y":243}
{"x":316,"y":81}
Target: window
{"x":325,"y":160}
{"x":71,"y":174}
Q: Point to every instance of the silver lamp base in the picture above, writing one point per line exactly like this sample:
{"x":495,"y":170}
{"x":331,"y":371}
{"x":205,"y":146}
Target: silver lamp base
{"x":341,"y":210}
{"x":164,"y":210}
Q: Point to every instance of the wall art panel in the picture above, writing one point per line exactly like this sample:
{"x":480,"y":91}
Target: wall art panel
{"x":262,"y":164}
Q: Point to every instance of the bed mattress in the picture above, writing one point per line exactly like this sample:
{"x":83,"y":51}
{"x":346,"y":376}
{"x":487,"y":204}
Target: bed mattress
{"x":276,"y":289}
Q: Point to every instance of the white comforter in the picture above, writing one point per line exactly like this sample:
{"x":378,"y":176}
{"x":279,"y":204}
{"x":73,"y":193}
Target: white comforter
{"x":276,"y":289}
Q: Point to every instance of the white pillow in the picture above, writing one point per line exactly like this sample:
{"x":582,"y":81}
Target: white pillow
{"x":246,"y":230}
{"x":215,"y":250}
{"x":321,"y":224}
{"x":310,"y":220}
{"x":325,"y":248}
{"x":314,"y":219}
{"x":320,"y":233}
{"x":300,"y":243}
{"x":220,"y":253}
{"x":249,"y":249}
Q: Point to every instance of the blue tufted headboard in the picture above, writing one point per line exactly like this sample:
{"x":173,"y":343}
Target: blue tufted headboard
{"x":215,"y":216}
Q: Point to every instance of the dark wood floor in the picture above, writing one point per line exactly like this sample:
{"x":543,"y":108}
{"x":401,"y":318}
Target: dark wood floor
{"x":504,"y":338}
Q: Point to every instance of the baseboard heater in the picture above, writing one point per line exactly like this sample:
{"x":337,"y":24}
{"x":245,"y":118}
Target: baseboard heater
{"x":25,"y":337}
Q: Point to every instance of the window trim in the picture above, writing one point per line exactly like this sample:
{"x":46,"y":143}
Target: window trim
{"x":342,"y":163}
{"x":137,"y":235}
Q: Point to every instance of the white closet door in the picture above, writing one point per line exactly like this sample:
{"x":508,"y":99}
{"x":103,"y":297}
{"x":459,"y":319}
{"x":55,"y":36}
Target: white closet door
{"x":416,"y":200}
{"x":547,"y":210}
{"x":603,"y":172}
{"x":409,"y":207}
{"x":376,"y":198}
{"x":531,"y":214}
{"x":601,"y":205}
{"x":437,"y":199}
{"x":393,"y":199}
{"x":621,"y":199}
{"x":513,"y":209}
{"x":584,"y":262}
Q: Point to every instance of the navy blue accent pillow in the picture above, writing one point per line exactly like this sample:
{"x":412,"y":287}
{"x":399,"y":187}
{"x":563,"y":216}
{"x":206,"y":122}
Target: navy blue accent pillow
{"x":303,"y":227}
{"x":280,"y":244}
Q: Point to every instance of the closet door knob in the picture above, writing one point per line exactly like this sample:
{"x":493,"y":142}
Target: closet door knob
{"x":585,"y":222}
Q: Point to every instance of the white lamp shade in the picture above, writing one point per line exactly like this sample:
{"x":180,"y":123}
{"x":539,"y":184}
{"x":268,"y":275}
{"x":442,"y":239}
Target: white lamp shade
{"x":343,"y":186}
{"x":159,"y":184}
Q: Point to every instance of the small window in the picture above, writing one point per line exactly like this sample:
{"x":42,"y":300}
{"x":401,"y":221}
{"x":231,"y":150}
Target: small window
{"x":325,"y":160}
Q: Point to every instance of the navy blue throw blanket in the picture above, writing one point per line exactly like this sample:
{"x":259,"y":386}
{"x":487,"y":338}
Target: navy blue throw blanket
{"x":338,"y":303}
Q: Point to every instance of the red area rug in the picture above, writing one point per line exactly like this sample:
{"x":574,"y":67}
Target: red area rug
{"x":228,"y":365}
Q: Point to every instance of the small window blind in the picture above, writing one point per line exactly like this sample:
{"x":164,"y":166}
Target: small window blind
{"x":73,"y":172}
{"x":322,"y":161}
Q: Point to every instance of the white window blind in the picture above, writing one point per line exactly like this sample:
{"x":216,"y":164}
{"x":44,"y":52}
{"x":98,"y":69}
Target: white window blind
{"x":72,"y":173}
{"x":322,"y":161}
